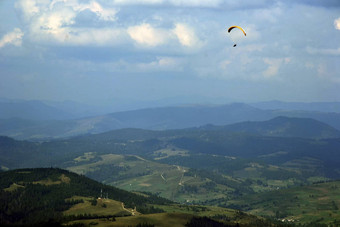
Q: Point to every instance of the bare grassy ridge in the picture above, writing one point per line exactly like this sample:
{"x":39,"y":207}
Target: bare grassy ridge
{"x":103,"y":207}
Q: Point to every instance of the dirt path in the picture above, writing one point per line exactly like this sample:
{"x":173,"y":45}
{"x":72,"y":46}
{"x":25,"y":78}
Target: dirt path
{"x":132,"y":212}
{"x":163,"y":177}
{"x":140,"y":158}
{"x":183,"y":171}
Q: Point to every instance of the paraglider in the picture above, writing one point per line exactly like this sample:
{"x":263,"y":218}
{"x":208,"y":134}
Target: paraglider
{"x":235,"y":26}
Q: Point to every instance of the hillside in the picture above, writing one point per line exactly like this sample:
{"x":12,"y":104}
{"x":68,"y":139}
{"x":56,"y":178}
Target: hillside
{"x":318,"y":203}
{"x":37,"y":195}
{"x":276,"y":150}
{"x":286,"y":127}
{"x":184,"y":165}
{"x":50,"y":197}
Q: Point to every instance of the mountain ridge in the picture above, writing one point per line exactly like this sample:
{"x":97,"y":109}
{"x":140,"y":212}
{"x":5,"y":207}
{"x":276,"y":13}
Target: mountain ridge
{"x":282,"y":126}
{"x":163,"y":118}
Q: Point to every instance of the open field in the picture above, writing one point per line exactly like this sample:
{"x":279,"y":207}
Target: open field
{"x":314,"y":203}
{"x":103,"y":207}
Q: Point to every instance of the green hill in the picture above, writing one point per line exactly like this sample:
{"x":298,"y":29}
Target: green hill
{"x":51,"y":197}
{"x":41,"y":195}
{"x":286,"y":127}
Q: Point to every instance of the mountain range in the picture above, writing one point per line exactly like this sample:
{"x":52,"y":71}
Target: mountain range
{"x":283,"y":127}
{"x":279,"y":140}
{"x":160,"y":118}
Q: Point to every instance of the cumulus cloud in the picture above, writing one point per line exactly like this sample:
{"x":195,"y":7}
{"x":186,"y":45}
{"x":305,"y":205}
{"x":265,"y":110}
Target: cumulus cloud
{"x":106,"y":14}
{"x":14,"y":38}
{"x":148,"y":35}
{"x":29,"y":8}
{"x":56,"y":21}
{"x":337,"y":23}
{"x":185,"y":35}
{"x":76,"y":22}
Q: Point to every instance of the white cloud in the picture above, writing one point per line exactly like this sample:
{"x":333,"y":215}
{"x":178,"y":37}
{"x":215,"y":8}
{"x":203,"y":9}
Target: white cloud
{"x":108,"y":14}
{"x":147,"y":35}
{"x":56,"y":22}
{"x":185,"y":35}
{"x":274,"y":65}
{"x":337,"y":23}
{"x":14,"y":38}
{"x":53,"y":22}
{"x":29,"y":8}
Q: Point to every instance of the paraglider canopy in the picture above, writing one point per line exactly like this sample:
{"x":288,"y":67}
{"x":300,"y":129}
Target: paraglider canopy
{"x":235,"y":26}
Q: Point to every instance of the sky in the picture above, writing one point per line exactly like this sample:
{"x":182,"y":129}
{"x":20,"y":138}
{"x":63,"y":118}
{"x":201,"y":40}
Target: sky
{"x":110,"y":52}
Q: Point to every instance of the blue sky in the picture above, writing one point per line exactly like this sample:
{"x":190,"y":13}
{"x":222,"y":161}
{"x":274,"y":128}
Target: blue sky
{"x":105,"y":52}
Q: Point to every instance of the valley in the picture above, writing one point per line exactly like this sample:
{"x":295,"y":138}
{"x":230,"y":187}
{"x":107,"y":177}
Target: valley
{"x":283,"y":170}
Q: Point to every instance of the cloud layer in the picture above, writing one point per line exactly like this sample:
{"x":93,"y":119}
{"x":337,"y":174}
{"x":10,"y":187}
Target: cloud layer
{"x":165,"y":44}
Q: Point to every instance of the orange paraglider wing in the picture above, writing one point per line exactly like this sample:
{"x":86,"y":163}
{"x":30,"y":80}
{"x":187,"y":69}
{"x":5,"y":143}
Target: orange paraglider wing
{"x":235,"y":26}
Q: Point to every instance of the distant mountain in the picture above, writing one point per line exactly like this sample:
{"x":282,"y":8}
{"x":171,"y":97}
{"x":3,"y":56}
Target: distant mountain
{"x":274,"y":149}
{"x":305,"y":106}
{"x":332,"y":119}
{"x":162,"y":118}
{"x":152,"y":118}
{"x":48,"y":110}
{"x":188,"y":116}
{"x":284,"y":127}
